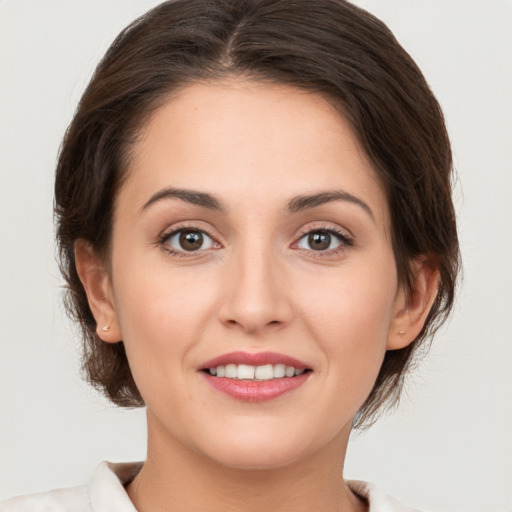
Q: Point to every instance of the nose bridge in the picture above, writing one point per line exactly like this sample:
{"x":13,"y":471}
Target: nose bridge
{"x":257,"y":293}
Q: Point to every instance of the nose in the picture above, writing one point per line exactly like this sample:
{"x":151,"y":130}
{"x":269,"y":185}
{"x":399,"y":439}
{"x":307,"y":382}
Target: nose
{"x":256,"y":300}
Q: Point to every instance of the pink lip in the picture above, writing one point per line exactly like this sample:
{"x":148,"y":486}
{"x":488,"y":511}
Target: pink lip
{"x":255,"y":391}
{"x":257,"y":359}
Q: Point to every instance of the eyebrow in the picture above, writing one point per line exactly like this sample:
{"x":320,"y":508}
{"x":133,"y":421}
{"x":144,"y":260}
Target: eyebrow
{"x":190,"y":196}
{"x":295,"y":205}
{"x":305,"y":202}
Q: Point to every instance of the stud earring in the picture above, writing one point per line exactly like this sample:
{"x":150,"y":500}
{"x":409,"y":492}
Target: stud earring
{"x":401,"y":333}
{"x":106,"y":328}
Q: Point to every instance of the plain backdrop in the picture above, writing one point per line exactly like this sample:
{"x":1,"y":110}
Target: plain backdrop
{"x":447,"y":448}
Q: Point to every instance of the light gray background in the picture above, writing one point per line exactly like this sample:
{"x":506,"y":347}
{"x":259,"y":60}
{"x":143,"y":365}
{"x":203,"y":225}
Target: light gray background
{"x":448,"y":448}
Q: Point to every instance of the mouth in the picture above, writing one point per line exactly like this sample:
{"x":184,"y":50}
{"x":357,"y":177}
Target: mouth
{"x":255,"y":377}
{"x":255,"y":373}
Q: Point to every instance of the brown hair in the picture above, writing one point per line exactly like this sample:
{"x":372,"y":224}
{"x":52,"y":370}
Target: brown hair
{"x":326,"y":46}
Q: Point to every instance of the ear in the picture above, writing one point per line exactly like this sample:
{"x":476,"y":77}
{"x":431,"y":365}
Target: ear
{"x":95,"y":279}
{"x":411,"y":310}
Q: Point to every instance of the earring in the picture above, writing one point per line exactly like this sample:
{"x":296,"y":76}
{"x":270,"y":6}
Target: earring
{"x":401,"y":333}
{"x":106,"y":328}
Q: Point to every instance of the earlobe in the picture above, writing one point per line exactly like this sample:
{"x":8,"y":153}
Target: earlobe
{"x":411,"y":310}
{"x":95,"y":279}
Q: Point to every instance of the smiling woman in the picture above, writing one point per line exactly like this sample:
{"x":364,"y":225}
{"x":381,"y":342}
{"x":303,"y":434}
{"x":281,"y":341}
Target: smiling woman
{"x":279,"y":269}
{"x":255,"y":222}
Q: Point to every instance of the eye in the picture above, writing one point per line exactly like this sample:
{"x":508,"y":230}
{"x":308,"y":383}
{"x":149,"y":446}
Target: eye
{"x":323,"y":240}
{"x":187,"y":240}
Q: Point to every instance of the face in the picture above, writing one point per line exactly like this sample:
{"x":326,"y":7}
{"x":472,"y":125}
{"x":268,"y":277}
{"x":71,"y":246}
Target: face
{"x":252,"y":233}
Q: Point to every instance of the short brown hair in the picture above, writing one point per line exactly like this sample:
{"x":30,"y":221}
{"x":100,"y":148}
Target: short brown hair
{"x":327,"y":46}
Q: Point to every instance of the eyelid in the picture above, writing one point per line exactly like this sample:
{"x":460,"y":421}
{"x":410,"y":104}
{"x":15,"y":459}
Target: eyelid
{"x":167,"y":234}
{"x":206,"y":237}
{"x":343,"y":234}
{"x":346,"y":238}
{"x":193,"y":225}
{"x":324,"y":226}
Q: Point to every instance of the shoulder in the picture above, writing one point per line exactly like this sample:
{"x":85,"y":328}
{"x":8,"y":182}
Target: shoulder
{"x":58,"y":500}
{"x":378,"y":501}
{"x":105,"y":491}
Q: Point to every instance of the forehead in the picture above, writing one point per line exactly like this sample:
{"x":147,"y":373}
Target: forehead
{"x":250,"y":141}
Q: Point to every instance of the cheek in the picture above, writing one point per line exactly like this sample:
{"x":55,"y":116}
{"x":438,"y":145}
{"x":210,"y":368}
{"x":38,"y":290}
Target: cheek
{"x":160,"y":312}
{"x":357,"y":301}
{"x":161,"y":317}
{"x":350,"y":316}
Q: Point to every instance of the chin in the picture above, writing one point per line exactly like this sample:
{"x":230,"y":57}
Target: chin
{"x":256,"y":459}
{"x":260,"y":451}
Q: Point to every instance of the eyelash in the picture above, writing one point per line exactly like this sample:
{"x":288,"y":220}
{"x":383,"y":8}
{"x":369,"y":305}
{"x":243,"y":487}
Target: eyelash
{"x":344,"y":239}
{"x":164,"y":239}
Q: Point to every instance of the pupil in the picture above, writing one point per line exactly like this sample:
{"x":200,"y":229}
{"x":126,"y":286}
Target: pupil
{"x":319,"y":241}
{"x":191,"y":240}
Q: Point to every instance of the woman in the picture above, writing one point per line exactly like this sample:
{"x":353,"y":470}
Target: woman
{"x":255,"y":222}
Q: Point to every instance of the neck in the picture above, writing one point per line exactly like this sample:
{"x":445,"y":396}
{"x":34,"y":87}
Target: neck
{"x":178,"y":478}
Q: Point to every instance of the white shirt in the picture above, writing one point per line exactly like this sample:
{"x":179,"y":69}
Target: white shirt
{"x":105,"y":492}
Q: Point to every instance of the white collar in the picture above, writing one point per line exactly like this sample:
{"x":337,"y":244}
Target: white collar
{"x":107,"y":491}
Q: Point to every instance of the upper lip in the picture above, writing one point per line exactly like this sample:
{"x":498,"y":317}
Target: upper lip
{"x":254,"y":359}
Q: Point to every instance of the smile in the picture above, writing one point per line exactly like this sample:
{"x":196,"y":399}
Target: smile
{"x":254,"y":373}
{"x":255,"y":377}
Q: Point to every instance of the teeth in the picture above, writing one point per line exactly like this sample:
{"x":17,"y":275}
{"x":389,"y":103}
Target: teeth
{"x":231,"y":371}
{"x":280,"y":370}
{"x":245,"y":372}
{"x":264,"y":372}
{"x":248,"y":372}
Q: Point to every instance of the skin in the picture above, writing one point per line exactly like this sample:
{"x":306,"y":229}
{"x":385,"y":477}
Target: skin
{"x":257,"y":286}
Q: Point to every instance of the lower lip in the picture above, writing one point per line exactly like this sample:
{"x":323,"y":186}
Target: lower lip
{"x":256,"y":391}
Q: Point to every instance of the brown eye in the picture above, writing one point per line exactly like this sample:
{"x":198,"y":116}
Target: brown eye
{"x":319,"y":241}
{"x":191,"y":240}
{"x":323,"y":240}
{"x":188,"y":240}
